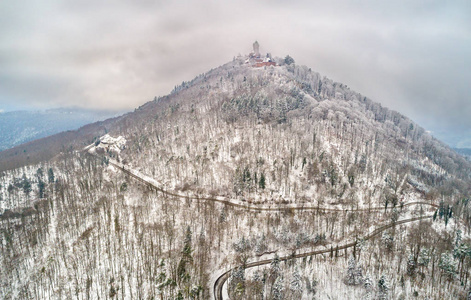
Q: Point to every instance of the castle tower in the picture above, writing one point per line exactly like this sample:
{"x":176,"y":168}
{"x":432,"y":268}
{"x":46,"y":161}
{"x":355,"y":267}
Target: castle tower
{"x":256,"y":49}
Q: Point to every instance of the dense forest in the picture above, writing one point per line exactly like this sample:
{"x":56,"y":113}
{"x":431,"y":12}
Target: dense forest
{"x":264,"y":183}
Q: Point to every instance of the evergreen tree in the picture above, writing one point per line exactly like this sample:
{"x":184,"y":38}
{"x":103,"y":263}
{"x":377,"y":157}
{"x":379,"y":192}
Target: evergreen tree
{"x":311,"y":286}
{"x":39,"y":173}
{"x":237,"y":282}
{"x":260,"y":244}
{"x":261,"y":183}
{"x":222,"y":216}
{"x":289,"y":60}
{"x":278,"y":288}
{"x":448,"y":265}
{"x":26,"y":185}
{"x":383,"y":288}
{"x":368,"y":285}
{"x":10,"y":188}
{"x":411,"y":266}
{"x":183,"y":275}
{"x":350,"y":280}
{"x":424,"y":257}
{"x":296,"y":285}
{"x":275,"y":265}
{"x":460,"y":249}
{"x":354,"y":273}
{"x":387,"y":240}
{"x":246,"y":175}
{"x":41,"y":188}
{"x":50,"y":175}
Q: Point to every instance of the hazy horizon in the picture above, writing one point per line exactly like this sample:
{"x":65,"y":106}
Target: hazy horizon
{"x":413,"y":59}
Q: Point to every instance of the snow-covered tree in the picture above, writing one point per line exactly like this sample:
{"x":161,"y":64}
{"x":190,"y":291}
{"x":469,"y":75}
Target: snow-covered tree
{"x":237,"y":282}
{"x":368,"y":285}
{"x":296,"y":285}
{"x":387,"y":240}
{"x":50,"y":175}
{"x":354,"y":273}
{"x":275,"y":267}
{"x":241,"y":245}
{"x":278,"y":288}
{"x":411,"y":265}
{"x":424,"y":257}
{"x":289,"y":60}
{"x":183,"y":272}
{"x":311,"y":285}
{"x":383,"y":288}
{"x":448,"y":265}
{"x":460,"y":249}
{"x":260,"y":244}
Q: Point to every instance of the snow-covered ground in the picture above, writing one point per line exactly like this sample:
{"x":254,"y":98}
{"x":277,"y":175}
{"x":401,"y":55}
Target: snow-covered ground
{"x":165,"y":203}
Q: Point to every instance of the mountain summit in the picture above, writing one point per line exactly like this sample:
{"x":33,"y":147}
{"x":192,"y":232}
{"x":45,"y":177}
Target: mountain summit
{"x":258,"y":179}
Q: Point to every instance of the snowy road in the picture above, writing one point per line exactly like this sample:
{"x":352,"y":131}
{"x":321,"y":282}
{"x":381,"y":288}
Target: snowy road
{"x":221,"y":280}
{"x":152,"y":183}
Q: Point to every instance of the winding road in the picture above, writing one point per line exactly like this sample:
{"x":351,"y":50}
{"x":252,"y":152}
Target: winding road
{"x":235,"y":203}
{"x":221,"y":280}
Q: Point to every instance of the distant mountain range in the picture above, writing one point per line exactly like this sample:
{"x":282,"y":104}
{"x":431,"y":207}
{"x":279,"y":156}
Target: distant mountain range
{"x":18,"y":127}
{"x":464,"y":151}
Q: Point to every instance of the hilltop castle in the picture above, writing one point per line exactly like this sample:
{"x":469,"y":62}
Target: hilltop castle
{"x":256,"y":60}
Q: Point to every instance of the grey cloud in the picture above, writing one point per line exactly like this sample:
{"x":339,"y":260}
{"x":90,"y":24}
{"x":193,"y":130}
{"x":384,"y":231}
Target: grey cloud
{"x":413,"y":58}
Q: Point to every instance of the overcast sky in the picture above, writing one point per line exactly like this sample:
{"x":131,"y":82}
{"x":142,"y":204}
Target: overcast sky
{"x":413,"y":57}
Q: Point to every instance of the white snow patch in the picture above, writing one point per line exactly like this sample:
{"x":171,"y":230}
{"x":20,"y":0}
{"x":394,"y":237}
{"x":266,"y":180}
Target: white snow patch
{"x":107,"y":144}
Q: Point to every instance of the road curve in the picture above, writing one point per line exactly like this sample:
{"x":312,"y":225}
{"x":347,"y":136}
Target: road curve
{"x":228,"y":202}
{"x":221,"y":280}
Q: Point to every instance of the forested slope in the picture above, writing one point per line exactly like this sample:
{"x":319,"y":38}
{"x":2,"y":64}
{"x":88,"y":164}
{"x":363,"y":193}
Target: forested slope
{"x":140,"y":220}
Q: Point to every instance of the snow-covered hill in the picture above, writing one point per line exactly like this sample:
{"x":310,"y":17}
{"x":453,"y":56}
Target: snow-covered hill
{"x":344,"y":198}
